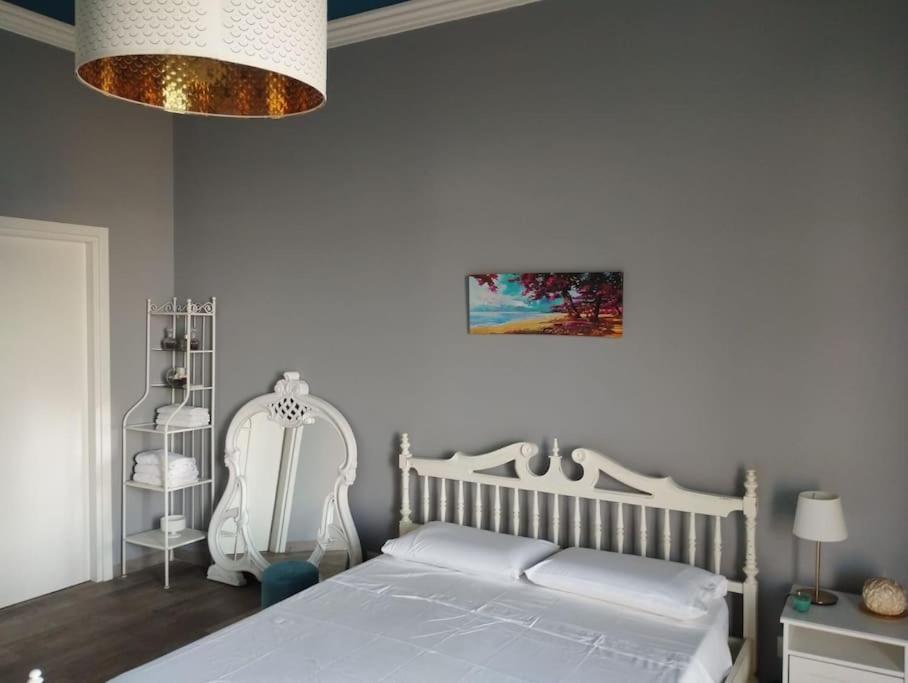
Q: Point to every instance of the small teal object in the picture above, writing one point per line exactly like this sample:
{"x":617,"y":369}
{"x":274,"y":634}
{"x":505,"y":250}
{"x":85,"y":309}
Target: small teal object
{"x":283,"y":579}
{"x":800,"y":602}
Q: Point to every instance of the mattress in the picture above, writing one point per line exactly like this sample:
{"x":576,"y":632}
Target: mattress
{"x":393,"y":620}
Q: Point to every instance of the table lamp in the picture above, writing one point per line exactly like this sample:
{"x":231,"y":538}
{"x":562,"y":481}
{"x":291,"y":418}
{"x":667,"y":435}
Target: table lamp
{"x":819,"y":518}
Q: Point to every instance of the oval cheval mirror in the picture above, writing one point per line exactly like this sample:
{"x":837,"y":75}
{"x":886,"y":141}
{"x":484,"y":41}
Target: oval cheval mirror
{"x":291,"y":457}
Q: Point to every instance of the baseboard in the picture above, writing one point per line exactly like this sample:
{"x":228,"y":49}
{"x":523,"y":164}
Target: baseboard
{"x":198,"y":556}
{"x":303,"y":546}
{"x":192,"y":555}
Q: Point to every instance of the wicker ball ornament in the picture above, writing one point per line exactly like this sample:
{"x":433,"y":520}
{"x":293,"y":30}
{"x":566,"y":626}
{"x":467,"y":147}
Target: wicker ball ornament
{"x":885,"y":596}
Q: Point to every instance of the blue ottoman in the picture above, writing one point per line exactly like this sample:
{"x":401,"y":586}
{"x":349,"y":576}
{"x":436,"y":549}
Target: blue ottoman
{"x":281,"y":580}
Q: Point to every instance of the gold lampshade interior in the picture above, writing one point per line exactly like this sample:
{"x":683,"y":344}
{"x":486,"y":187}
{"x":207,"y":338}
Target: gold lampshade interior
{"x":200,"y":85}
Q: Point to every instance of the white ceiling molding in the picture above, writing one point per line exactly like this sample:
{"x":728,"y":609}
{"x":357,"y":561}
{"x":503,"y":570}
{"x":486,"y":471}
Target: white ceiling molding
{"x":408,"y":16}
{"x":386,"y":21}
{"x":36,"y":26}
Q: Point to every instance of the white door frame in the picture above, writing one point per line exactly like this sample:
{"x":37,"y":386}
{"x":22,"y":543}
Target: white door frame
{"x":97,"y":436}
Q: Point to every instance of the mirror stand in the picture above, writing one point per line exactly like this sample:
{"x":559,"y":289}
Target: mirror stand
{"x":291,"y":457}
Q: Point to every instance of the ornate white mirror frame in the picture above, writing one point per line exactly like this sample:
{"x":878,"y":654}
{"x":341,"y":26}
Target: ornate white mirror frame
{"x":291,"y":407}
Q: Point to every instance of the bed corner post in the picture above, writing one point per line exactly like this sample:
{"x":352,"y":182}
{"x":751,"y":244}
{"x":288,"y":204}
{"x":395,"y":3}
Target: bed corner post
{"x":406,"y":521}
{"x":750,"y":565}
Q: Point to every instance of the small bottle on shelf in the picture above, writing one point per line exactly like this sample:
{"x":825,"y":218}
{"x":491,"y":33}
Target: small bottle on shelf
{"x":193,"y":341}
{"x":169,"y":341}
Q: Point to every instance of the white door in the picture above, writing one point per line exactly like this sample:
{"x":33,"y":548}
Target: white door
{"x":44,"y":417}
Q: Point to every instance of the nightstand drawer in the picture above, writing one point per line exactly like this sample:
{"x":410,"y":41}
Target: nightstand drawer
{"x":804,"y":670}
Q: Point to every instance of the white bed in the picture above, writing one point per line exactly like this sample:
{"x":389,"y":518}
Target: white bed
{"x":393,"y":620}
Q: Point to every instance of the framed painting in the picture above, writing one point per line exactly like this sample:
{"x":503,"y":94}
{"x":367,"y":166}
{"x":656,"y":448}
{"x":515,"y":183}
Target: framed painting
{"x":566,"y":304}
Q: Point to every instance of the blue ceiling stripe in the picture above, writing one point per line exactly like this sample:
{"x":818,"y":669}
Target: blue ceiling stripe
{"x":64,"y":10}
{"x":61,"y":10}
{"x":346,"y":8}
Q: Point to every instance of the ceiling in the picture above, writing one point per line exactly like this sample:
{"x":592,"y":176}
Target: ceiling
{"x":63,"y":10}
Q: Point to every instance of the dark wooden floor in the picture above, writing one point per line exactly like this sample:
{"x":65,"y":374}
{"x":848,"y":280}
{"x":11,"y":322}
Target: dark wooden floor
{"x":94,"y":631}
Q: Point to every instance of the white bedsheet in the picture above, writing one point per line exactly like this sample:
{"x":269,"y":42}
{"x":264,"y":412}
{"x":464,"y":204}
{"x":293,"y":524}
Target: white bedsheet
{"x":392,"y":620}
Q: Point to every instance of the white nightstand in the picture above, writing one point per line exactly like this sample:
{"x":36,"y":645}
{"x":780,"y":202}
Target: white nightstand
{"x":842,"y":644}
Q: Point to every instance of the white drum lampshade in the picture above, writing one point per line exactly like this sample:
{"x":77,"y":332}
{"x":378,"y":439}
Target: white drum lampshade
{"x":244,"y":58}
{"x":819,"y":517}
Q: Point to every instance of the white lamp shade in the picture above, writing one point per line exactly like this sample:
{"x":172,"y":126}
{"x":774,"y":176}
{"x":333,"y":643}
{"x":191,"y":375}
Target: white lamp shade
{"x":819,"y":517}
{"x":218,"y":57}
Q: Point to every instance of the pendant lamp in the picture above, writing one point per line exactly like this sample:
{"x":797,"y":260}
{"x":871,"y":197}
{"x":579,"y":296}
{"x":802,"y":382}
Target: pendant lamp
{"x":243,"y":58}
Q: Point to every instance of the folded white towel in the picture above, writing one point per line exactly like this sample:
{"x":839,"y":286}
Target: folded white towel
{"x":185,"y":410}
{"x":155,"y":458}
{"x":173,"y":461}
{"x":157,"y":451}
{"x":180,"y":419}
{"x":157,"y":470}
{"x":163,"y":417}
{"x":154,"y":480}
{"x":181,"y":422}
{"x":173,"y":407}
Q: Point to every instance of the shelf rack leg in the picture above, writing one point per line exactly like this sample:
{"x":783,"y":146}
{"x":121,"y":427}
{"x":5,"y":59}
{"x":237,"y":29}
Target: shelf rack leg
{"x":124,"y":453}
{"x":213,"y":383}
{"x":167,"y":550}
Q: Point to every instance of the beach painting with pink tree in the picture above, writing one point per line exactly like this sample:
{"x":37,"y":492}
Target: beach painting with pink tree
{"x":567,"y":304}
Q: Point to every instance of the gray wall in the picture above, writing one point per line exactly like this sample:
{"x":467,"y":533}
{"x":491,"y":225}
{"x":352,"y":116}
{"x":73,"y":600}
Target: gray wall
{"x":69,"y":155}
{"x":745,"y":164}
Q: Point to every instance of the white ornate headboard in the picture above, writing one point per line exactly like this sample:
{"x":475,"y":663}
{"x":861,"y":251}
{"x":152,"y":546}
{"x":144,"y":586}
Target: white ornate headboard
{"x":586,"y":523}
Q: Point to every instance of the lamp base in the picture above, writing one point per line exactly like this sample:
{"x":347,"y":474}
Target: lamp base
{"x":822,"y":598}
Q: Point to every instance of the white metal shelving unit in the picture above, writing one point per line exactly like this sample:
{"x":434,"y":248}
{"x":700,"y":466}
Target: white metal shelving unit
{"x":195,"y":500}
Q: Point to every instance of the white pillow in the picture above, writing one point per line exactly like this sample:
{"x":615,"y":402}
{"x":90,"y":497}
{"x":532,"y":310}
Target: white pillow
{"x":669,"y":589}
{"x":470,"y":550}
